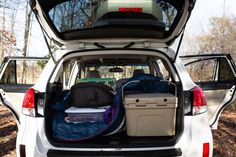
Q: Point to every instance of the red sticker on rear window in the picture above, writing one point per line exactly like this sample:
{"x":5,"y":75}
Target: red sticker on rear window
{"x":130,"y":9}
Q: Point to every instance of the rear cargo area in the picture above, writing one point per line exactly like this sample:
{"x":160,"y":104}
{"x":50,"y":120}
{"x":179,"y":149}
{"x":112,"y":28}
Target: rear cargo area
{"x":143,"y":111}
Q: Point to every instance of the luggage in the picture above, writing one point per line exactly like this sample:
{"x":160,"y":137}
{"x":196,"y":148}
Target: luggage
{"x":150,"y":114}
{"x":76,"y":119}
{"x":74,"y":132}
{"x":85,"y":115}
{"x":91,"y":95}
{"x":147,"y":83}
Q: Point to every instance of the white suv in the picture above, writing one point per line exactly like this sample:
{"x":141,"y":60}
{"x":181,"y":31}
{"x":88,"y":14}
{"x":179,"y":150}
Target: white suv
{"x":111,"y":60}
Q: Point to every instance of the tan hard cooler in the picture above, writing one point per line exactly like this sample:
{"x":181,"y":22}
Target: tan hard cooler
{"x":150,"y":114}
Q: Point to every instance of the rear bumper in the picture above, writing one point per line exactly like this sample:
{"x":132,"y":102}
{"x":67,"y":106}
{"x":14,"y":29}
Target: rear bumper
{"x":153,"y":153}
{"x":196,"y":132}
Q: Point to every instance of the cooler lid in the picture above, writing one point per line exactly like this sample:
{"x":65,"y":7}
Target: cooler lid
{"x":150,"y":100}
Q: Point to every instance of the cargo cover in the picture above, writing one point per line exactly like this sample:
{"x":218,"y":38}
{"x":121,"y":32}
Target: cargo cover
{"x":150,"y":114}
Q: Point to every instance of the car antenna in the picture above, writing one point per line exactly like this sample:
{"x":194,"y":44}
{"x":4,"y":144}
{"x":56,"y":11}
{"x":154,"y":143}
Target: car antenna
{"x":180,"y":41}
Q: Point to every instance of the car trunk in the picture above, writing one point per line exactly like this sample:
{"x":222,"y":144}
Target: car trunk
{"x":151,"y":109}
{"x":122,"y":139}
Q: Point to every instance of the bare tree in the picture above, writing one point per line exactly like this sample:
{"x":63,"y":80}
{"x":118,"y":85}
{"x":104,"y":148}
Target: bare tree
{"x":13,"y":21}
{"x":7,"y":37}
{"x":65,"y":16}
{"x":28,"y":21}
{"x":3,"y":29}
{"x":221,"y":37}
{"x":14,"y":12}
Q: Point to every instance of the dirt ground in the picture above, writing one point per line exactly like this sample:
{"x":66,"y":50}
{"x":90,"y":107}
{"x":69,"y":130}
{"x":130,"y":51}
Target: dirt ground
{"x":224,"y":137}
{"x":8,"y":131}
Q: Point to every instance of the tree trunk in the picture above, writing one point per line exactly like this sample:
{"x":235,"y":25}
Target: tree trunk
{"x":28,"y":15}
{"x":2,"y":31}
{"x":13,"y":21}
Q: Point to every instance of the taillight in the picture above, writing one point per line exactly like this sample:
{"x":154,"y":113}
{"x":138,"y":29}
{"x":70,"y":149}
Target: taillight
{"x":28,"y":107}
{"x":199,"y":101}
{"x":138,"y":10}
{"x":206,"y":150}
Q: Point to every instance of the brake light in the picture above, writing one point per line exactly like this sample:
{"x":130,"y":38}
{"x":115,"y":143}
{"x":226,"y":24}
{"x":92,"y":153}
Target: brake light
{"x":138,"y":10}
{"x":199,"y":101}
{"x":28,"y":107}
{"x":206,"y":150}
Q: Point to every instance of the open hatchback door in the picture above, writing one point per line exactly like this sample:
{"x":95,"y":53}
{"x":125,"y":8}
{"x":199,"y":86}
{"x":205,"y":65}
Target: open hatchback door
{"x":69,"y":22}
{"x":216,"y":75}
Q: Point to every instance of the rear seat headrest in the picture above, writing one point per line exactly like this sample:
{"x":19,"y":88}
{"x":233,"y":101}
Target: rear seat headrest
{"x":138,"y":71}
{"x":93,"y":74}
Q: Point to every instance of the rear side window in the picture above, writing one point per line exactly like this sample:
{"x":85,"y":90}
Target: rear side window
{"x":9,"y":75}
{"x":202,"y":71}
{"x":225,"y":71}
{"x":68,"y":66}
{"x":22,"y":72}
{"x":215,"y":69}
{"x":162,"y":69}
{"x":64,"y":74}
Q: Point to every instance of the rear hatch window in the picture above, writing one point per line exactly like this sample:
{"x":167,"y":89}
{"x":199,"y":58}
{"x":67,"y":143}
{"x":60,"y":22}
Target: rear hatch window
{"x":158,"y":21}
{"x":84,"y":14}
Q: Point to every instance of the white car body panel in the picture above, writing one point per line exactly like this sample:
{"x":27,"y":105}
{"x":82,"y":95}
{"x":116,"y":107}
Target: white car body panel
{"x":37,"y":144}
{"x":32,"y":133}
{"x":214,"y":120}
{"x":185,"y":78}
{"x":16,"y":99}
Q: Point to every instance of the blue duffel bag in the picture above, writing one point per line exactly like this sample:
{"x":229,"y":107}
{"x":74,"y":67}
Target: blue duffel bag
{"x":64,"y":131}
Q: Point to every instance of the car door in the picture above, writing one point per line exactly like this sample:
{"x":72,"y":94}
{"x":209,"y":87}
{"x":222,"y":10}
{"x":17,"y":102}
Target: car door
{"x":215,"y":74}
{"x":17,"y":74}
